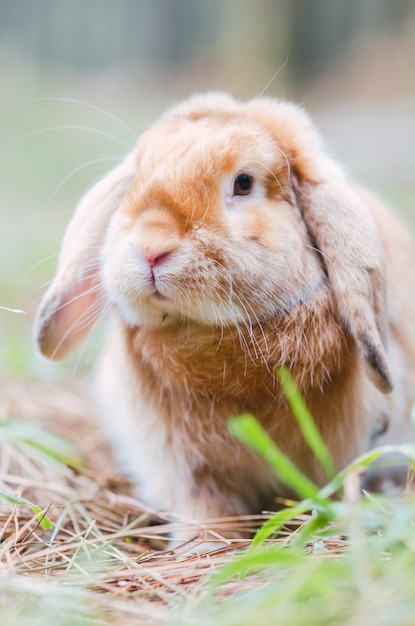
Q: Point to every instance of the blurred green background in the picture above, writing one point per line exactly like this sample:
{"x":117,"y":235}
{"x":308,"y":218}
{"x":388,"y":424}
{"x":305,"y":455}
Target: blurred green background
{"x":81,"y":79}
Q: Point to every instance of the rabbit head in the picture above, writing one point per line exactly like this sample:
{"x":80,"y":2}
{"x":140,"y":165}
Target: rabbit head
{"x":224,"y":214}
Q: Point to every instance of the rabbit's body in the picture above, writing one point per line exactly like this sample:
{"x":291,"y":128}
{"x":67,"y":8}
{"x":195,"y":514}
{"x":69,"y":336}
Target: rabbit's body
{"x":183,"y":457}
{"x":228,"y":244}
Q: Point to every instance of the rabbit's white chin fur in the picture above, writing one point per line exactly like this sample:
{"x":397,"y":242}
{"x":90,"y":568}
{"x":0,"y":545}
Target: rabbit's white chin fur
{"x":228,"y":243}
{"x":156,"y":311}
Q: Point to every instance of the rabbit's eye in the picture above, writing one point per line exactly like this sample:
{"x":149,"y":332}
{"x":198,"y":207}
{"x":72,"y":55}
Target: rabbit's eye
{"x":243,"y":185}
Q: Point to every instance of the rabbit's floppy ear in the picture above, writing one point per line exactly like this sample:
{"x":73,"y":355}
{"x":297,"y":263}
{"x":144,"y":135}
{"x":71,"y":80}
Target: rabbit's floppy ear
{"x":341,"y":226}
{"x":74,"y":300}
{"x":346,"y":234}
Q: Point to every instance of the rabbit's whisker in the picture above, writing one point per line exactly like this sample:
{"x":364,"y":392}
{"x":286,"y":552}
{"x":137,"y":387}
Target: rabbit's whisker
{"x":84,"y":104}
{"x":71,"y":127}
{"x":74,"y":171}
{"x":273,"y":175}
{"x":260,"y":95}
{"x":35,"y":266}
{"x":89,"y":315}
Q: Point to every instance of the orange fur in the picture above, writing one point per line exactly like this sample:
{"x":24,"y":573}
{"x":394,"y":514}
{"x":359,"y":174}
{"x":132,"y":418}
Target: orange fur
{"x":211,"y":290}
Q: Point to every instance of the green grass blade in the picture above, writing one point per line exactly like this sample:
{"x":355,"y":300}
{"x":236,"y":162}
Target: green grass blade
{"x":364,"y":461}
{"x":277,"y":521}
{"x":306,"y":423}
{"x":248,"y":563}
{"x":45,"y":523}
{"x":308,"y":532}
{"x":51,"y":445}
{"x":248,"y":430}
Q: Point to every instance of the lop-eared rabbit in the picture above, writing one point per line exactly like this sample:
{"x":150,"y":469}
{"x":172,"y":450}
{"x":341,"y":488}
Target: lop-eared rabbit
{"x":226,"y":244}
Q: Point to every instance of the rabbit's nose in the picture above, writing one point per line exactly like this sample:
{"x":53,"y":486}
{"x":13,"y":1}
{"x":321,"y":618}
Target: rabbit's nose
{"x":157,"y":258}
{"x":155,"y":236}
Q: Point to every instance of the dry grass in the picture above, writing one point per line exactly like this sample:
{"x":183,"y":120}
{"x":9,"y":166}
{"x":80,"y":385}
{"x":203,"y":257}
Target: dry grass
{"x":103,"y":540}
{"x":104,"y":561}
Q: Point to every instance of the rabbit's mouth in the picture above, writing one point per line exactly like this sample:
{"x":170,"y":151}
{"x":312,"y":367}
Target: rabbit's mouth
{"x":158,"y":296}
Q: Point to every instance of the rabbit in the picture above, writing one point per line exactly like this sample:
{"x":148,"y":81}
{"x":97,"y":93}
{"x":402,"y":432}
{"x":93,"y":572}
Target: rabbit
{"x":226,"y":244}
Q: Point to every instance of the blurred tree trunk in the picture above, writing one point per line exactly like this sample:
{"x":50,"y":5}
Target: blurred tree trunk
{"x":322,"y":31}
{"x":262,"y":33}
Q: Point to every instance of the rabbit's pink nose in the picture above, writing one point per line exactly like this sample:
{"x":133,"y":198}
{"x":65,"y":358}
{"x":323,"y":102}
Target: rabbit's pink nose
{"x":157,"y":258}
